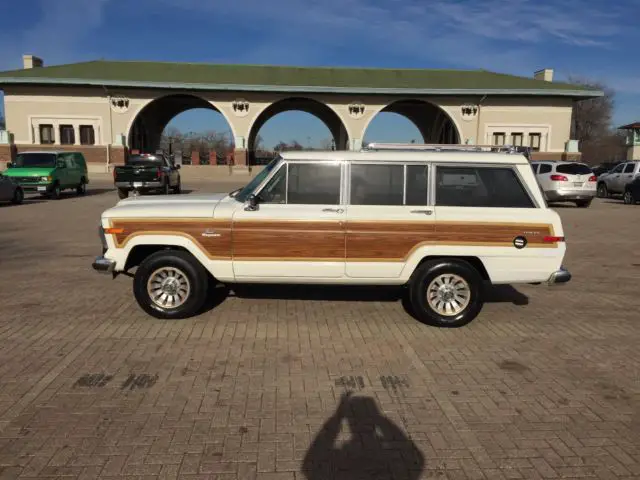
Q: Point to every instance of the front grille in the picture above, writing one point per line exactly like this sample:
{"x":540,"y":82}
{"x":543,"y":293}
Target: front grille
{"x":26,"y":179}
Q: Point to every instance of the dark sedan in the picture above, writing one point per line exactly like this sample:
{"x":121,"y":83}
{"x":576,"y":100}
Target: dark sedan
{"x":632,"y":192}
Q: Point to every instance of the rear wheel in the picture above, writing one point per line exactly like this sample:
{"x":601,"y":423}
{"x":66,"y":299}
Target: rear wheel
{"x":446,"y":293}
{"x":82,"y":188}
{"x":122,"y":194}
{"x":628,"y":198}
{"x":178,"y":188}
{"x":583,"y":203}
{"x":18,"y":196}
{"x":171,"y":284}
{"x":166,"y":190}
{"x":603,"y":191}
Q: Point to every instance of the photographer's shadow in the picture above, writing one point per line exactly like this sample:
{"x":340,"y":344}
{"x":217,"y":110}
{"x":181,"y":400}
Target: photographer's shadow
{"x":376,"y":449}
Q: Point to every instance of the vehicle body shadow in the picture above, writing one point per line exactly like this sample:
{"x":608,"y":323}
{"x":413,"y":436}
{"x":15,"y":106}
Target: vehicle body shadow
{"x":33,"y":197}
{"x":377,"y":447}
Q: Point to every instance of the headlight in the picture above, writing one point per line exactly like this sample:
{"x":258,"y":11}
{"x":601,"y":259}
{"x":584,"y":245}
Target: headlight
{"x":45,"y":179}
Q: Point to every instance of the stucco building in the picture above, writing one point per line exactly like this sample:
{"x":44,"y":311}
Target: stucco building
{"x":106,"y":108}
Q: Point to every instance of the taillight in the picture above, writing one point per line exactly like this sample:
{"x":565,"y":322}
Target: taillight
{"x":114,"y":173}
{"x":159,"y":173}
{"x":559,"y":178}
{"x":549,"y":239}
{"x":593,"y":178}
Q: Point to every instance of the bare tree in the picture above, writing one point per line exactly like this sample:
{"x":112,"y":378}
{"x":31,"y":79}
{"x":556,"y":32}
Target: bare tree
{"x":591,"y":124}
{"x":258,"y":143}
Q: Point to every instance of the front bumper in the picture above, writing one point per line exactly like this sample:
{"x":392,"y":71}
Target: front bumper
{"x":134,"y":185}
{"x":568,"y":195}
{"x":104,"y":265}
{"x":36,"y":187}
{"x":560,"y":276}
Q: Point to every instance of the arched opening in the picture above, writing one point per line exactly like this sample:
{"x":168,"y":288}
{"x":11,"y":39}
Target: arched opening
{"x":259,"y":148}
{"x":429,"y":121}
{"x":167,"y":114}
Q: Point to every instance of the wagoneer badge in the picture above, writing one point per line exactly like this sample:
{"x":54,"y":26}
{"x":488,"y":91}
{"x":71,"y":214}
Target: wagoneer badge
{"x":520,"y":242}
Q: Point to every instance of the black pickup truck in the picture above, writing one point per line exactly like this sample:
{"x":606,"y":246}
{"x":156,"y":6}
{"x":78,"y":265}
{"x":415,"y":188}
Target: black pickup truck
{"x":147,"y":172}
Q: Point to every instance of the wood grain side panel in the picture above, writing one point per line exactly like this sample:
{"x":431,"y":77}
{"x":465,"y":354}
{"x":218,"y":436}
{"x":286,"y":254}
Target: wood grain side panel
{"x":215,"y":247}
{"x":318,"y":241}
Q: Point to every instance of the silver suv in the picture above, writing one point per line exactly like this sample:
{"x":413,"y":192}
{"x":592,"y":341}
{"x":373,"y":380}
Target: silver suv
{"x":615,"y":181}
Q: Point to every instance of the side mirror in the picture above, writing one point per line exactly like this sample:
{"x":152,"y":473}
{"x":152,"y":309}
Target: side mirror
{"x":252,"y":203}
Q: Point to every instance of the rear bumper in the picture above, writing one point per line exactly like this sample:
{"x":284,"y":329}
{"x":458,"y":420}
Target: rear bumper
{"x":560,"y":276}
{"x":562,"y":195}
{"x":130,"y":185}
{"x":104,"y":265}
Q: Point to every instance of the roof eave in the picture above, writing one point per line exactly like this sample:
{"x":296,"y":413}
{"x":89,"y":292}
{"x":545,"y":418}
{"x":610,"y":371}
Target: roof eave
{"x":303,"y":88}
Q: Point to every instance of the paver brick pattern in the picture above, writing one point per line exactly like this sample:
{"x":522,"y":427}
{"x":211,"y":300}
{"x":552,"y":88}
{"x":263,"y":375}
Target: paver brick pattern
{"x":544,"y":384}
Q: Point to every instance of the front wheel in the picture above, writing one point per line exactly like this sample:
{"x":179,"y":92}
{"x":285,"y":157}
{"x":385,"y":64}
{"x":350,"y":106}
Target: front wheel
{"x":171,"y":284}
{"x":603,"y":191}
{"x":178,"y":188}
{"x":122,"y":194}
{"x":55,"y":192}
{"x":446,"y":293}
{"x":18,"y":197}
{"x":628,"y":198}
{"x":166,"y":190}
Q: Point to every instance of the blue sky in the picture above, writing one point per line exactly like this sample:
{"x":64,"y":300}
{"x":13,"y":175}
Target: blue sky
{"x":594,"y":39}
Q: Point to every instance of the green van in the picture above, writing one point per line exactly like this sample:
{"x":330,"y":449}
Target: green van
{"x":49,"y":173}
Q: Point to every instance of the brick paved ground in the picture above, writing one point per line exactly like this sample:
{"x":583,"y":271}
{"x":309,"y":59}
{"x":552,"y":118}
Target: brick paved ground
{"x":544,"y":384}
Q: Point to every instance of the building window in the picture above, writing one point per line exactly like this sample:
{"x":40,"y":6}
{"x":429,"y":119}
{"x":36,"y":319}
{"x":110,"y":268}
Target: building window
{"x":87,"y":135}
{"x":534,"y":141}
{"x":516,"y":139}
{"x":46,"y":134}
{"x":67,"y":135}
{"x":498,"y":138}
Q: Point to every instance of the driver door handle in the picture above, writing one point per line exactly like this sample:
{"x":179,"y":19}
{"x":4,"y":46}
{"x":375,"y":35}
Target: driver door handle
{"x":334,"y":210}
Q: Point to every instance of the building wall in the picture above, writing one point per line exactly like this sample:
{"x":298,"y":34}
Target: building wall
{"x":27,"y":107}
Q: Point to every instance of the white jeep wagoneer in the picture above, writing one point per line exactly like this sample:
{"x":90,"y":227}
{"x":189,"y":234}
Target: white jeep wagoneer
{"x":441,"y":220}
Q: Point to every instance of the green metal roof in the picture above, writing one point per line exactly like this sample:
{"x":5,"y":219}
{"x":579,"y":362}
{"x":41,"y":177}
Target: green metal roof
{"x":203,"y":76}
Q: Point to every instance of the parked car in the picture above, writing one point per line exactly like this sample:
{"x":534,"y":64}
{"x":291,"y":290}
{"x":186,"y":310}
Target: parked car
{"x":604,"y":168}
{"x":145,"y":173}
{"x":10,"y":191}
{"x":369,"y":217}
{"x":632,"y":192}
{"x":49,"y":173}
{"x":615,"y":181}
{"x":566,"y":182}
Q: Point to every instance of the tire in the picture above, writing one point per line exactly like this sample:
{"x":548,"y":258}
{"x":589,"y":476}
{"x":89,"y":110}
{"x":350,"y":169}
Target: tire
{"x":178,"y":188}
{"x":18,"y":196}
{"x":629,"y":198}
{"x":122,"y":194}
{"x":583,"y":203}
{"x":166,"y":190}
{"x":440,"y":272}
{"x":55,"y":192}
{"x":82,"y":188}
{"x":188,"y":275}
{"x":603,"y":191}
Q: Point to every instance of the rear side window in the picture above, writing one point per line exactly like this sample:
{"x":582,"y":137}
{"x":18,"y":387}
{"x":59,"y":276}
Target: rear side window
{"x":629,"y":168}
{"x":497,"y":187}
{"x":377,"y":184}
{"x":417,"y":185}
{"x":545,"y":168}
{"x":573,"y":169}
{"x":313,"y":184}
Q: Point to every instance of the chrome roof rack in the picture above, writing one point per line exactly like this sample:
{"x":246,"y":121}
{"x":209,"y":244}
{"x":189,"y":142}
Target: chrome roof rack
{"x":437,"y":147}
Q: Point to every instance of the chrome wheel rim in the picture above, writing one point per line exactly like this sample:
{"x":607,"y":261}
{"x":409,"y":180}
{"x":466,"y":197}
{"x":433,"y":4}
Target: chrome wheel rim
{"x":168,"y":287}
{"x":628,"y":198}
{"x":448,"y":294}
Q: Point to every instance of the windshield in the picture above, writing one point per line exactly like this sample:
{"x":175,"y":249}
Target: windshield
{"x":36,"y":160}
{"x":257,"y":180}
{"x":574,"y":169}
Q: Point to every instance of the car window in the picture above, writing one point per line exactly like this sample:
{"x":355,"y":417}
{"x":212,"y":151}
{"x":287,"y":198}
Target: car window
{"x":534,"y":167}
{"x":618,"y":169}
{"x":544,"y":168}
{"x":497,"y":187}
{"x":417,"y":185}
{"x":275,"y":191}
{"x":377,"y":184}
{"x":573,"y":169}
{"x":313,"y":183}
{"x":629,"y":168}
